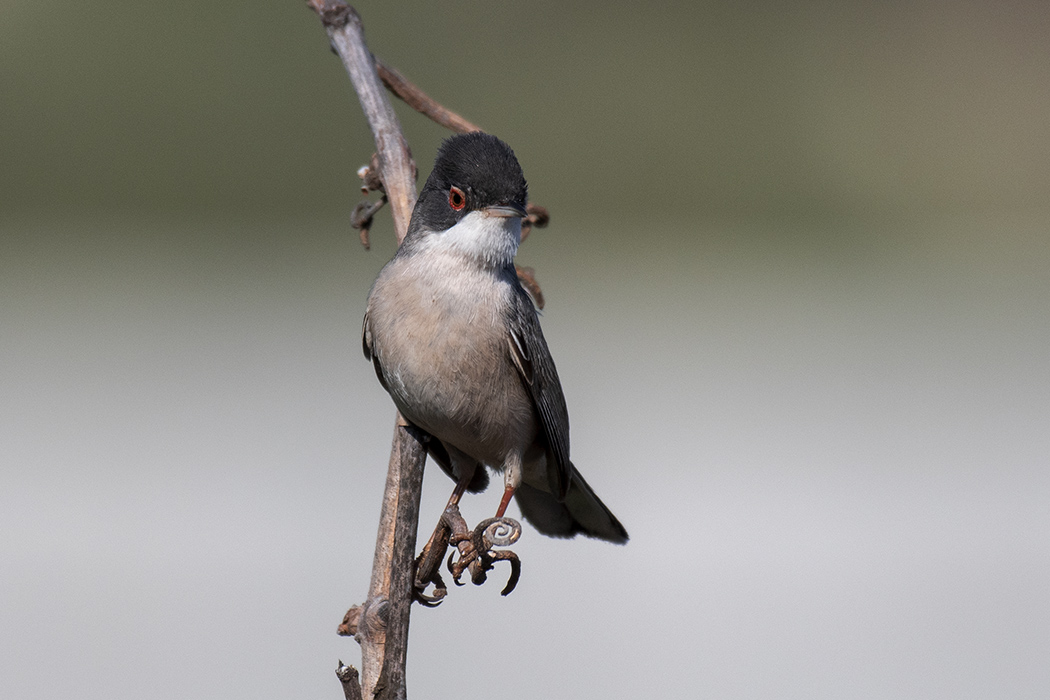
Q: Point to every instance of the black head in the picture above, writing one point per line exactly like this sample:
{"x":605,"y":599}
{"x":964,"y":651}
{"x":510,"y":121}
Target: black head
{"x":472,"y":171}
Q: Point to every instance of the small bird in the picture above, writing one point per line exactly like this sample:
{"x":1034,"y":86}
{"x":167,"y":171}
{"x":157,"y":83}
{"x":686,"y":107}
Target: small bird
{"x":456,"y":342}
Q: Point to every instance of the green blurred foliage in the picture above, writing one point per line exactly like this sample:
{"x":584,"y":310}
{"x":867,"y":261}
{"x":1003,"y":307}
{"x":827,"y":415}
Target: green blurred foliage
{"x":672,"y":111}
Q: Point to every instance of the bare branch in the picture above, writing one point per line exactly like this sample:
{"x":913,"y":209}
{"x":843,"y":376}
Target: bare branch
{"x":391,"y":682}
{"x":420,"y":101}
{"x":348,"y":676}
{"x":395,"y":161}
{"x":384,"y":616}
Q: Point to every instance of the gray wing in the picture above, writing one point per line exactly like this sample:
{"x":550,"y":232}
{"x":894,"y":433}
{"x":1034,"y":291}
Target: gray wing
{"x":533,"y":359}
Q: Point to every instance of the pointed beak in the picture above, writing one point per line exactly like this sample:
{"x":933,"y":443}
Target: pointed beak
{"x":507,"y":211}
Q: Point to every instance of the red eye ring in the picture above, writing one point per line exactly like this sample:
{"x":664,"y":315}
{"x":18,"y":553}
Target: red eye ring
{"x":456,"y":199}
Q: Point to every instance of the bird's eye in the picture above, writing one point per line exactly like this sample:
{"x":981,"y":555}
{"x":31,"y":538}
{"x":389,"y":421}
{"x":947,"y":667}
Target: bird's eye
{"x":456,"y":199}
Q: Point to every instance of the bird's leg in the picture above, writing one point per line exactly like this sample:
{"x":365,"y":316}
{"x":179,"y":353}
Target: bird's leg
{"x":428,"y":564}
{"x":444,"y":526}
{"x":475,"y":548}
{"x":511,"y":482}
{"x":461,"y":488}
{"x":507,"y":494}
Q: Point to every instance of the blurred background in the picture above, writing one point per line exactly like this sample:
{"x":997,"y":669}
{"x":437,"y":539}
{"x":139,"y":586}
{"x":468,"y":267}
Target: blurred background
{"x":797,"y":280}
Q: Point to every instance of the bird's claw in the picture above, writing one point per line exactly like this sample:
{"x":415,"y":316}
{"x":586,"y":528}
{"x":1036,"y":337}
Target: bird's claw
{"x":475,"y":554}
{"x":428,"y":564}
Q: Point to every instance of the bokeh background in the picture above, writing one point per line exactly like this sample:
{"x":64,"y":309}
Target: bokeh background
{"x":798,"y":283}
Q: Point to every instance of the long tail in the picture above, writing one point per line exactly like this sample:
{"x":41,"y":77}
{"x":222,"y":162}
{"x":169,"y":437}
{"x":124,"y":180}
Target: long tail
{"x":581,"y":512}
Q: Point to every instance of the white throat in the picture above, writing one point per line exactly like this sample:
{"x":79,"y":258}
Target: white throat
{"x":491,"y":240}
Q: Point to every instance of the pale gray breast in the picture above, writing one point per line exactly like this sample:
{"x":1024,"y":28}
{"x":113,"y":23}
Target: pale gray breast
{"x":440,"y":333}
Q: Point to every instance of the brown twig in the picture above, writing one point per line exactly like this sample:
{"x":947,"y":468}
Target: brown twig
{"x":361,"y":217}
{"x":527,"y":278}
{"x":383,"y":619}
{"x":538,"y":217}
{"x":349,"y":677}
{"x":394,"y":157}
{"x":408,"y":449}
{"x":420,"y":101}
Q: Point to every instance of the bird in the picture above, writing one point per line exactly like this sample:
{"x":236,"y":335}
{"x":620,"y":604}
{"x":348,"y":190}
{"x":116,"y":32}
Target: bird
{"x":456,"y":341}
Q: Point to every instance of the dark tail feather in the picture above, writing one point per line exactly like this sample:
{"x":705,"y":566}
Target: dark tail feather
{"x":582,"y":512}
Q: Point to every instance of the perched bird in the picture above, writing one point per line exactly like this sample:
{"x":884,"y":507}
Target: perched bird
{"x":456,"y":342}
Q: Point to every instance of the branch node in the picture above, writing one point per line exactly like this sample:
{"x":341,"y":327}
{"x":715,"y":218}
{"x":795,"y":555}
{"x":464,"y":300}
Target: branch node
{"x":363,"y":213}
{"x":334,"y":13}
{"x":372,"y":623}
{"x":348,"y":627}
{"x":370,"y":178}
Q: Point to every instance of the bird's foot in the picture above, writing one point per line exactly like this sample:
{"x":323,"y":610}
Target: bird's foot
{"x":428,"y":563}
{"x":475,"y":554}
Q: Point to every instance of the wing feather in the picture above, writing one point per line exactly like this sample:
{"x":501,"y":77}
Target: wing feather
{"x":532,"y":357}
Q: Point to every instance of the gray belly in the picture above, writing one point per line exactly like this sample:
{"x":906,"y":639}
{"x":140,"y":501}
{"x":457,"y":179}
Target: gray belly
{"x":472,"y":399}
{"x":447,"y":366}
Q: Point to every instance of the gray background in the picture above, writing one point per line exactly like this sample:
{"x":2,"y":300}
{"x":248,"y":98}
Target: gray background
{"x":798,"y":281}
